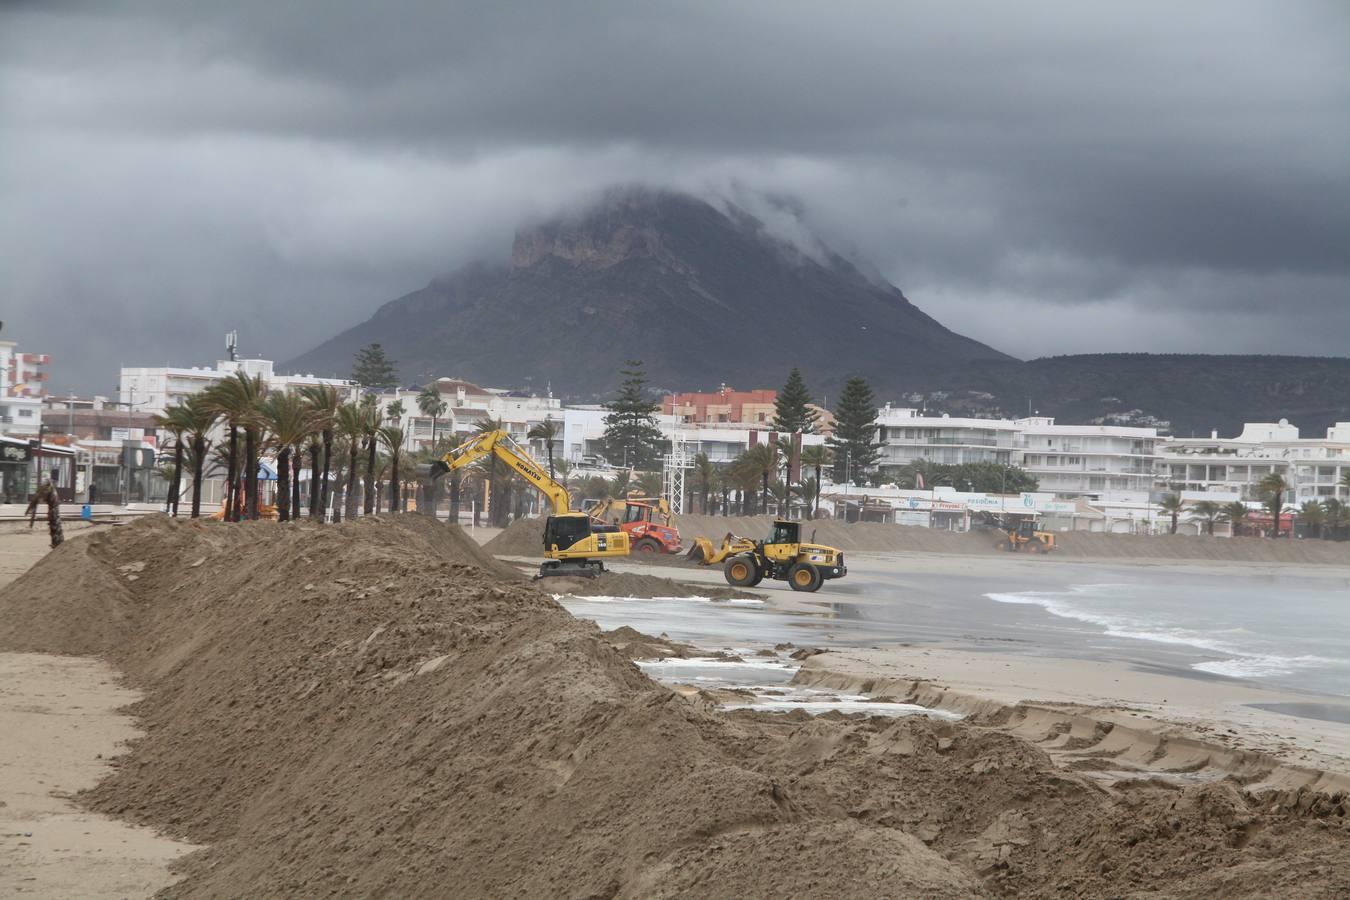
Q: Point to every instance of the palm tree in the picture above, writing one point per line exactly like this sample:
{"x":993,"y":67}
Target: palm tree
{"x":394,"y":412}
{"x":323,"y":402}
{"x":1272,"y":489}
{"x":745,"y":472}
{"x":918,"y":474}
{"x":351,"y":424}
{"x":289,"y":420}
{"x":370,"y":427}
{"x":1345,"y":481}
{"x":224,"y":399}
{"x":430,"y":403}
{"x":497,"y":494}
{"x":175,"y":422}
{"x":1313,"y":516}
{"x":393,"y":437}
{"x":1171,"y":505}
{"x":548,"y":432}
{"x":763,"y":458}
{"x":1337,"y":517}
{"x":564,"y":472}
{"x":650,"y":484}
{"x":622,"y":481}
{"x":817,"y":458}
{"x":1208,"y":510}
{"x":1235,"y":514}
{"x":704,"y":473}
{"x":199,"y":417}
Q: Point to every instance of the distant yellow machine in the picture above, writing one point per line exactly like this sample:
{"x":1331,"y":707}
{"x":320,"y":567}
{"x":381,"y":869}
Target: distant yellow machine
{"x":783,"y":557}
{"x":574,"y":543}
{"x":1024,"y":536}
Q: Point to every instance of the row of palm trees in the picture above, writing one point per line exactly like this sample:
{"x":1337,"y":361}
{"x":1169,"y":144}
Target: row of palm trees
{"x":1329,"y":518}
{"x":309,"y":421}
{"x":754,"y":482}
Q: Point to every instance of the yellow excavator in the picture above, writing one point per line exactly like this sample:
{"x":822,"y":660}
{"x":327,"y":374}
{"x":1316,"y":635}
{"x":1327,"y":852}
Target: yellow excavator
{"x":784,"y":557}
{"x":574,"y":543}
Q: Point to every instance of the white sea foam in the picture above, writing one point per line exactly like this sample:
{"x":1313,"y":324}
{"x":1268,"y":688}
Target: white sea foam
{"x":1244,"y":661}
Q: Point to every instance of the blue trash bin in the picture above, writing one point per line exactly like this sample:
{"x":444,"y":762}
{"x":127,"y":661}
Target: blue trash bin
{"x":87,"y":513}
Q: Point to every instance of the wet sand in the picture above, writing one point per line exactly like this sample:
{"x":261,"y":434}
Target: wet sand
{"x":900,"y":618}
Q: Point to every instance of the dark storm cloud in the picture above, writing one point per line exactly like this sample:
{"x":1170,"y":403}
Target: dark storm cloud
{"x":1049,"y":177}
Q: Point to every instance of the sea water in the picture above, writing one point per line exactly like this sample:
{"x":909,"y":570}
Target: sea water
{"x":1291,"y":631}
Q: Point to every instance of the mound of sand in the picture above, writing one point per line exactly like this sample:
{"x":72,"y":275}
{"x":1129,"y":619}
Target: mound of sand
{"x":523,"y":537}
{"x":373,"y":708}
{"x":874,"y":537}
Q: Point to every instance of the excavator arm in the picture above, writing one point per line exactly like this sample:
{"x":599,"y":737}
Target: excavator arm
{"x":499,"y":444}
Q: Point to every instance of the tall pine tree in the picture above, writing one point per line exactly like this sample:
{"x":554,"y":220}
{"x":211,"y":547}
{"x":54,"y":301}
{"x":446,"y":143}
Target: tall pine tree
{"x":632,"y":437}
{"x":791,"y":412}
{"x":855,"y":433}
{"x":372,"y":369}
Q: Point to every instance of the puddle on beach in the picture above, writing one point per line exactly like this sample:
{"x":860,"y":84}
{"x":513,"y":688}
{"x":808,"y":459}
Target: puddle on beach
{"x":728,"y":625}
{"x":768,"y":681}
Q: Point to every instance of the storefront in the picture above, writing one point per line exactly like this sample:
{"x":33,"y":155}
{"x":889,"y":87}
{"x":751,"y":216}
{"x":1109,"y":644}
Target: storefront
{"x":16,"y":459}
{"x":24,"y":463}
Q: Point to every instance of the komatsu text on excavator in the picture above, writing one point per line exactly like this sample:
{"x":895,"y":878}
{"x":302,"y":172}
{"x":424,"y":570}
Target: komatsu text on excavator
{"x":574,"y":543}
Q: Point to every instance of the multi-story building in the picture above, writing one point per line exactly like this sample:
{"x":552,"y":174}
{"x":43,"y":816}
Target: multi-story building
{"x":726,"y":406}
{"x":155,"y":389}
{"x":906,"y":436}
{"x":1313,"y":466}
{"x":468,"y":405}
{"x":1088,"y":460}
{"x":23,"y":384}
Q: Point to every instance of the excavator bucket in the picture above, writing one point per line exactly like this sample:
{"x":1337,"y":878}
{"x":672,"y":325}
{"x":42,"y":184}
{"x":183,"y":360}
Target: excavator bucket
{"x":432,"y":471}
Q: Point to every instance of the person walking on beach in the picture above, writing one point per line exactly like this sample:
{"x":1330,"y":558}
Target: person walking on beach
{"x":46,"y":493}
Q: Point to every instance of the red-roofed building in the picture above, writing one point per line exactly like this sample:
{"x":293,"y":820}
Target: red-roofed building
{"x":722,"y":407}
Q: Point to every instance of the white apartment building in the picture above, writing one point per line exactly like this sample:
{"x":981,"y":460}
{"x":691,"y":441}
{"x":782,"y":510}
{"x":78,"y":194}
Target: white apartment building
{"x":467,"y":405}
{"x":906,"y":437}
{"x":1314,"y":466}
{"x":22,"y":387}
{"x":1088,"y":460}
{"x":1067,"y":460}
{"x":584,"y":430}
{"x":155,"y":389}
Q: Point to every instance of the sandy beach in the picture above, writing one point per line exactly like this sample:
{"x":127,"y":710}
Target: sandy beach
{"x":65,"y":720}
{"x":382,"y":706}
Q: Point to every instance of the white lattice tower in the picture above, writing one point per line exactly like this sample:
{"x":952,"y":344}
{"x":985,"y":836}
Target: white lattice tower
{"x":679,"y":460}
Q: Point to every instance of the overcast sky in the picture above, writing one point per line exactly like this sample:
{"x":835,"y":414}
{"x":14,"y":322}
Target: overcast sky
{"x":1049,"y":177}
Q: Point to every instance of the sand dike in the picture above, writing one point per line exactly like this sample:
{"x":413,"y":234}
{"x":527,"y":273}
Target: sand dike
{"x":875,"y":537}
{"x":381,"y":708}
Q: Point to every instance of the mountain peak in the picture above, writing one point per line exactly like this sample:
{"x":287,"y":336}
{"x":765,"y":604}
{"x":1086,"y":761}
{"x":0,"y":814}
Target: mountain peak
{"x":703,"y":294}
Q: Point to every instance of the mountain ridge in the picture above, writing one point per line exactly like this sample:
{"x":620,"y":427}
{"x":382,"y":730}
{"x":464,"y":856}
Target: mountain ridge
{"x":707,"y":296}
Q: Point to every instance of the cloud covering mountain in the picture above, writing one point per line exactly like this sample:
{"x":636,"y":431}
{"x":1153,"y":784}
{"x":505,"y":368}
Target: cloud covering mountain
{"x":1046,"y":177}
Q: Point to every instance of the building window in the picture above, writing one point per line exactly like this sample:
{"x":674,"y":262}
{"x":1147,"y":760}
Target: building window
{"x":25,"y":414}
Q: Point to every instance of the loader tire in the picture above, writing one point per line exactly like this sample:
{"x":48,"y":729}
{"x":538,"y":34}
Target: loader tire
{"x":1002,"y":546}
{"x":805,"y":577}
{"x":647,"y":545}
{"x":742,"y":571}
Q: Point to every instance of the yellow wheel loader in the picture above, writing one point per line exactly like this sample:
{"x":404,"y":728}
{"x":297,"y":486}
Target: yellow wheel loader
{"x":783,"y":557}
{"x":1024,"y":536}
{"x":574,"y":543}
